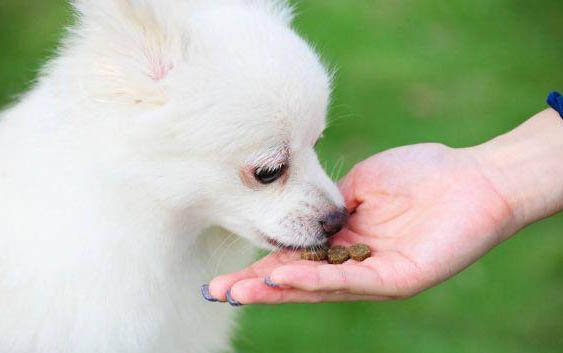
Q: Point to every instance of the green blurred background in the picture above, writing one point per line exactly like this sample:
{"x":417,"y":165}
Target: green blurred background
{"x":451,"y":71}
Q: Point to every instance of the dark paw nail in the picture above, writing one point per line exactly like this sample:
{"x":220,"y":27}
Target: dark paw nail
{"x":269,"y":282}
{"x":206,"y":295}
{"x":231,"y":300}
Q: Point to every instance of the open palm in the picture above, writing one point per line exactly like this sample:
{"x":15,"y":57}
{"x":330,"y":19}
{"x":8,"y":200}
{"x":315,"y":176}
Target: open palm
{"x":426,"y":211}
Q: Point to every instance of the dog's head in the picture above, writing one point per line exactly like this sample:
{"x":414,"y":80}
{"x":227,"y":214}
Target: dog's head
{"x":232,"y":103}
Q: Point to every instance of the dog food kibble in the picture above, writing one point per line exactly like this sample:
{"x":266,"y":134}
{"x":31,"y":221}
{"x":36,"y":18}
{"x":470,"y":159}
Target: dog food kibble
{"x":337,"y":255}
{"x":314,"y":255}
{"x":359,"y":252}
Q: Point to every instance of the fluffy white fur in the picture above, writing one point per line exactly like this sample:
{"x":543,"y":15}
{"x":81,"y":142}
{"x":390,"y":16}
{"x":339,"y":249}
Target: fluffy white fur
{"x":125,"y":167}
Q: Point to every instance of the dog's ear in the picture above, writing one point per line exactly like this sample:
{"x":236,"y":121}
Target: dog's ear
{"x":132,"y":45}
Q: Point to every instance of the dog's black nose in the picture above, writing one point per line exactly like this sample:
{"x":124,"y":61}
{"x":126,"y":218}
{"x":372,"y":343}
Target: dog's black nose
{"x":333,"y":222}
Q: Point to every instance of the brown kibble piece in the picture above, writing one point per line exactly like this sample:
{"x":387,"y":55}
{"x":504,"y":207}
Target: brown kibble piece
{"x":337,"y":255}
{"x":359,"y":252}
{"x":314,"y":255}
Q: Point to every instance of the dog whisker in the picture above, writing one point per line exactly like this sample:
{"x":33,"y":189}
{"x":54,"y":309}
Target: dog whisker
{"x":338,"y":168}
{"x":218,"y":247}
{"x":224,"y":253}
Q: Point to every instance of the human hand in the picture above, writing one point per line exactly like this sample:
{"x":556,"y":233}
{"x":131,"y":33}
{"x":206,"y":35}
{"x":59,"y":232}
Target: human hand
{"x":427,"y":212}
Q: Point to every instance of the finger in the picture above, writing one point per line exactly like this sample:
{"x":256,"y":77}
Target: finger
{"x":219,"y":286}
{"x":348,"y":190}
{"x":254,"y":291}
{"x":351,"y":277}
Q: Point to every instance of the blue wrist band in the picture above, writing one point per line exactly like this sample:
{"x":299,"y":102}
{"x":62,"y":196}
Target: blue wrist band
{"x":555,"y":100}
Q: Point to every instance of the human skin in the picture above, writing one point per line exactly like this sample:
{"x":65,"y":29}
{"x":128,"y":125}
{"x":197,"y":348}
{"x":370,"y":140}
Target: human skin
{"x":427,"y":211}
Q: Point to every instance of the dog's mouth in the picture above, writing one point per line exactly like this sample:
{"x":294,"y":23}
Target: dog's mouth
{"x":283,"y":246}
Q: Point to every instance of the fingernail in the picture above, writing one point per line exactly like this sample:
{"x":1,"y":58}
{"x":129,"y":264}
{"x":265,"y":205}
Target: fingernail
{"x":268,"y":281}
{"x":206,"y":295}
{"x":231,"y":300}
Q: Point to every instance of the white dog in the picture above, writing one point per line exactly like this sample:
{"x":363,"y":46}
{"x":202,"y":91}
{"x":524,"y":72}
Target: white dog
{"x":158,"y":122}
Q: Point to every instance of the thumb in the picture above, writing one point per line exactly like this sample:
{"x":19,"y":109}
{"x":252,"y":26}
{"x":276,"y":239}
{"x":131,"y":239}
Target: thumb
{"x":384,"y":274}
{"x":351,"y":278}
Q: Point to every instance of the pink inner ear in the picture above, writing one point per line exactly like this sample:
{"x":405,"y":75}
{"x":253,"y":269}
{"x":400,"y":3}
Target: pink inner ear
{"x":160,"y":69}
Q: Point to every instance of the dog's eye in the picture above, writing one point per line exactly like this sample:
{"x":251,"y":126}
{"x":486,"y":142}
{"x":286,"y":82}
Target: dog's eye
{"x":269,"y":175}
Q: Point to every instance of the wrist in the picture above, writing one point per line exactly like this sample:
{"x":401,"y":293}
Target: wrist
{"x":525,"y":167}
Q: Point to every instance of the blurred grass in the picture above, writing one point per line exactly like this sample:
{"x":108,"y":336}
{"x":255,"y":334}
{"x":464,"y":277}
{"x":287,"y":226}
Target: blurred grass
{"x":457,"y":72}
